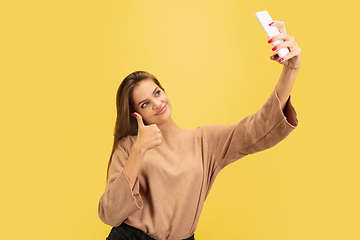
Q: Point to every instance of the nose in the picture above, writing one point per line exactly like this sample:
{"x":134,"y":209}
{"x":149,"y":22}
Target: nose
{"x":156,"y":104}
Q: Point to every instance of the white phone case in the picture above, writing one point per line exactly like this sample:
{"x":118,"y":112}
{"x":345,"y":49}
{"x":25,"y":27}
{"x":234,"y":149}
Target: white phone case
{"x":264,"y":19}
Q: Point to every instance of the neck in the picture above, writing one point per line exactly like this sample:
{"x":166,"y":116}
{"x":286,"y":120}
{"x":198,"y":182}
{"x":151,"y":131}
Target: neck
{"x":169,"y":125}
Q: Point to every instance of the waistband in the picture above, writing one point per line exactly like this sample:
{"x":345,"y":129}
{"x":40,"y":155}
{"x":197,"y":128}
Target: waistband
{"x":129,"y":231}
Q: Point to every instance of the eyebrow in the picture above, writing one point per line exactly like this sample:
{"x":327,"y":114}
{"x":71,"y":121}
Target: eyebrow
{"x":146,"y":98}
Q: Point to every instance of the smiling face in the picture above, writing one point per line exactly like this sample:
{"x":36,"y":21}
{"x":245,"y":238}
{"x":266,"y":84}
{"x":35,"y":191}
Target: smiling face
{"x":151,"y":102}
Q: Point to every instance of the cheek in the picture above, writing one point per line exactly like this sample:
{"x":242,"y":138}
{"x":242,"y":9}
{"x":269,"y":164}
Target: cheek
{"x":145,"y":112}
{"x":168,"y":101}
{"x":142,"y":112}
{"x":137,"y":109}
{"x":165,"y":99}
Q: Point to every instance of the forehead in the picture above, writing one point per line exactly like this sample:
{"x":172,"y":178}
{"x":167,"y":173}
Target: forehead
{"x":143,"y":90}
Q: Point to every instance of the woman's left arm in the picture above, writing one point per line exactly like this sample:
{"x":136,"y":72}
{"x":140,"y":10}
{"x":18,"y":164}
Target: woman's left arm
{"x":291,"y":63}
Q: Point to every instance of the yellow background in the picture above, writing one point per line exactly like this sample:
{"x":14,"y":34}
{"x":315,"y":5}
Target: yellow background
{"x":62,"y":62}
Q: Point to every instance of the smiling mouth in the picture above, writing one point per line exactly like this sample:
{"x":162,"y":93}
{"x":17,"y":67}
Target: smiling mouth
{"x":161,"y":110}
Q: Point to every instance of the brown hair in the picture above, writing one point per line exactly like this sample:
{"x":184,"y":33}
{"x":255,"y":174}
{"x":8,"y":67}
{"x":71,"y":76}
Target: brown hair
{"x":125,"y":124}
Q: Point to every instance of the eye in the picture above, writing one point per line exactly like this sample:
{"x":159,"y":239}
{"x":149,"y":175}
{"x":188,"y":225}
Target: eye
{"x":157,"y":93}
{"x":144,"y":105}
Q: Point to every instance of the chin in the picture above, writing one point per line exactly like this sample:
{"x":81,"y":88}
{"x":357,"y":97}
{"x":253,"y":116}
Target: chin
{"x":160,"y":119}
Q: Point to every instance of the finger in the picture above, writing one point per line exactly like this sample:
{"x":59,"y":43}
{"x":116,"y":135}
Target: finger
{"x":139,"y":120}
{"x":292,"y":54}
{"x":282,"y":36}
{"x":156,"y":129}
{"x":159,"y":132}
{"x":290,"y":45}
{"x":155,"y":126}
{"x":281,"y":25}
{"x":274,"y":57}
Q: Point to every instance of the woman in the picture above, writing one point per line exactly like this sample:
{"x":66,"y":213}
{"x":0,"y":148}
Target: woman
{"x":159,"y":174}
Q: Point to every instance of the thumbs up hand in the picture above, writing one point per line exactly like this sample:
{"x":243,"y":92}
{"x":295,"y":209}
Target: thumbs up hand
{"x":148,"y":137}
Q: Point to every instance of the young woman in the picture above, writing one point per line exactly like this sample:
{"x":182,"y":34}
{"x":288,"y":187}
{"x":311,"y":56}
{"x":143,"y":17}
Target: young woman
{"x":159,"y":174}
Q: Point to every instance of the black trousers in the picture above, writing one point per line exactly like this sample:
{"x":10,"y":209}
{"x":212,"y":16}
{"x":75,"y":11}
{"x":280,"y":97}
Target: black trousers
{"x":126,"y":232}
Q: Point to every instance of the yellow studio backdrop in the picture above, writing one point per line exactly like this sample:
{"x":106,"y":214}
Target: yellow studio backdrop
{"x":62,"y":62}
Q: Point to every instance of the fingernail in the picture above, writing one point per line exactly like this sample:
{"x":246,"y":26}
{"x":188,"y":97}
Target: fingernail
{"x":134,"y":114}
{"x":271,"y":40}
{"x":274,"y":48}
{"x":281,"y":59}
{"x":271,"y":24}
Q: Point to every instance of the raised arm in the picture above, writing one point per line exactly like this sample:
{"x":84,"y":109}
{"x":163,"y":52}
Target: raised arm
{"x":291,"y":63}
{"x":257,"y":132}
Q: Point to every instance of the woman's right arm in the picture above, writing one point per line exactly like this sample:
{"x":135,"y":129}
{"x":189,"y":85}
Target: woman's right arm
{"x":122,"y":197}
{"x":133,"y":163}
{"x":148,"y":137}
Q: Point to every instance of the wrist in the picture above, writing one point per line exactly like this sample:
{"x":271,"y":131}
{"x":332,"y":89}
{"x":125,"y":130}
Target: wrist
{"x":291,"y":70}
{"x":287,"y":77}
{"x":138,"y":148}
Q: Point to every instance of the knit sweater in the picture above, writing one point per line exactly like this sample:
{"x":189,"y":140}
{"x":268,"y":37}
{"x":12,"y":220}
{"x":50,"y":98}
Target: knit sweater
{"x":175,"y":177}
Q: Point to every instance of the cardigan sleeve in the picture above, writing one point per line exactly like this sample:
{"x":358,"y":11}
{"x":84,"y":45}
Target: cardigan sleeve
{"x":119,"y":200}
{"x":259,"y":131}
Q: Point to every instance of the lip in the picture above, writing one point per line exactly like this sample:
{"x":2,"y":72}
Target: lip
{"x":161,"y":110}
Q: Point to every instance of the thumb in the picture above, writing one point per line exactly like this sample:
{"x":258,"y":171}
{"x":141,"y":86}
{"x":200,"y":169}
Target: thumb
{"x":139,"y":119}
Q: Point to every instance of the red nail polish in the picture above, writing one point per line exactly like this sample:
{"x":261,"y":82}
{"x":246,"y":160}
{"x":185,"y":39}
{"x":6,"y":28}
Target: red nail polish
{"x":134,"y":114}
{"x":281,"y":59}
{"x":274,"y":48}
{"x":271,"y":24}
{"x":271,"y":40}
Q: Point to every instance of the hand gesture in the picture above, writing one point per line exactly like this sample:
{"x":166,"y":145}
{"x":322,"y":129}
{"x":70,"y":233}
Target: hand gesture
{"x":148,"y":137}
{"x":292,"y":59}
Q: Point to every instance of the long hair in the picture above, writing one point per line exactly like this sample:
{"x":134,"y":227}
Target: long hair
{"x":125,"y":124}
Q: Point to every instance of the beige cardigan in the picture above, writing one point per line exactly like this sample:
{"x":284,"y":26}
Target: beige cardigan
{"x":176,"y":177}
